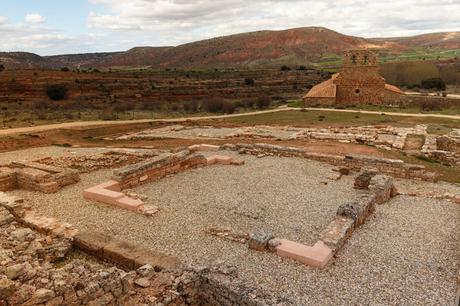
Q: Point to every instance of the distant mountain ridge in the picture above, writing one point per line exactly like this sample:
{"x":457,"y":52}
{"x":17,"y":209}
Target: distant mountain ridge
{"x":300,"y":46}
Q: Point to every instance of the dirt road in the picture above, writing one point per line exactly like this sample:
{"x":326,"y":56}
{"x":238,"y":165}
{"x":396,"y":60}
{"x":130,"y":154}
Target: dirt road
{"x":77,"y":124}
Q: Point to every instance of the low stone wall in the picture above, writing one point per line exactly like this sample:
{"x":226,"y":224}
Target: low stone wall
{"x":8,"y":180}
{"x":392,"y":167}
{"x":158,"y":167}
{"x":35,"y":176}
{"x":353,"y":214}
{"x":40,"y":265}
{"x":123,"y":253}
{"x":349,"y":216}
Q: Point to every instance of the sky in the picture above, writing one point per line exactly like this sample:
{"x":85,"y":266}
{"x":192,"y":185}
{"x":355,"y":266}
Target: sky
{"x":49,"y":27}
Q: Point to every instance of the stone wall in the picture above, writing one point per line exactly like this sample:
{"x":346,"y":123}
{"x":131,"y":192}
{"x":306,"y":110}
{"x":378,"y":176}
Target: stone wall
{"x":354,"y":213}
{"x":158,"y":167}
{"x":36,"y":176}
{"x":392,"y":167}
{"x":43,"y":265}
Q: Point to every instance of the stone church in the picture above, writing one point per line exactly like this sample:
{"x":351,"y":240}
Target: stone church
{"x":357,"y":82}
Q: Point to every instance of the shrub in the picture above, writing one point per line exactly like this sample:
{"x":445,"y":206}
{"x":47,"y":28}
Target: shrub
{"x":216,"y":105}
{"x":124,"y":106}
{"x":430,"y":105}
{"x":432,"y":83}
{"x":174,"y":107}
{"x":56,"y":92}
{"x":65,"y":69}
{"x":249,"y":103}
{"x":285,"y":68}
{"x":2,"y":67}
{"x":302,"y":67}
{"x":249,"y":82}
{"x":41,"y":105}
{"x":213,"y":105}
{"x":228,"y":107}
{"x":263,"y":102}
{"x":191,"y":106}
{"x":108,"y":114}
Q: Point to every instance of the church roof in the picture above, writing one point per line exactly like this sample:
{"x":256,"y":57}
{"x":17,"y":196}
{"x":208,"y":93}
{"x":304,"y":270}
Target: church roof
{"x":326,"y":89}
{"x":393,"y":89}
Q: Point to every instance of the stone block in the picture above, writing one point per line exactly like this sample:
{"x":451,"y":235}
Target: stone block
{"x":51,"y":187}
{"x":131,"y":204}
{"x":203,"y":147}
{"x":258,"y":240}
{"x":315,"y":256}
{"x":337,"y":232}
{"x":102,"y":195}
{"x":92,"y":242}
{"x":219,"y":160}
{"x":383,"y":188}
{"x":111,"y":185}
{"x":133,"y":256}
{"x":364,"y":177}
{"x":237,"y":162}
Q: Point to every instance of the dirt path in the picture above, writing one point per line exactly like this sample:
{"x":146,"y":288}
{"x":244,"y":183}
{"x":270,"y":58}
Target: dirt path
{"x":77,"y":124}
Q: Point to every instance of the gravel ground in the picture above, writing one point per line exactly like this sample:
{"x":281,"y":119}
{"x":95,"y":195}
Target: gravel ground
{"x":406,"y":254}
{"x":50,"y":151}
{"x":422,"y":187}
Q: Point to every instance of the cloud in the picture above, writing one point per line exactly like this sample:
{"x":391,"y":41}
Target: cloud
{"x":34,"y":18}
{"x":114,"y":25}
{"x":177,"y":21}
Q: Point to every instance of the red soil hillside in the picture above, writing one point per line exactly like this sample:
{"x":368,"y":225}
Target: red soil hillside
{"x":444,"y":40}
{"x":301,"y":46}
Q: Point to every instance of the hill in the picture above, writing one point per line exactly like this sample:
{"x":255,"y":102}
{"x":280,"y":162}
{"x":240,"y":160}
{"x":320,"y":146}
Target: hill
{"x":310,"y":46}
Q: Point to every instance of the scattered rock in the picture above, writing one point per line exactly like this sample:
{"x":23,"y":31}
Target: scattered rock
{"x":258,"y":240}
{"x":143,"y":282}
{"x":15,"y":271}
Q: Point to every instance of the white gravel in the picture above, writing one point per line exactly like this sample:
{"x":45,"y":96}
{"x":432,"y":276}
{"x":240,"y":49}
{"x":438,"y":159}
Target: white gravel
{"x":50,"y":151}
{"x":406,"y":254}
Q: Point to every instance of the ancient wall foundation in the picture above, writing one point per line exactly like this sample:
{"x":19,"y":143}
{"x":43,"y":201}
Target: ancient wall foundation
{"x":397,"y":168}
{"x":36,"y":176}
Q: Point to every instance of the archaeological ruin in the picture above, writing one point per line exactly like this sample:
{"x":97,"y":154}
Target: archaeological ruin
{"x":247,"y":215}
{"x":357,"y":82}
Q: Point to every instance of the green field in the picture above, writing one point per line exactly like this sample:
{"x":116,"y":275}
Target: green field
{"x":325,"y":118}
{"x":332,"y":62}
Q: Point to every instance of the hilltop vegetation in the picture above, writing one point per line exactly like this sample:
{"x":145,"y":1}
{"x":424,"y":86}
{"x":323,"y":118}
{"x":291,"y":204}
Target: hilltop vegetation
{"x":312,"y":47}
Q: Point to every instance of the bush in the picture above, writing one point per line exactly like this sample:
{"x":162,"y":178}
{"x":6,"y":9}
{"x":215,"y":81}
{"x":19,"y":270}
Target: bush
{"x":174,"y":107}
{"x":41,"y":105}
{"x":56,"y":92}
{"x":213,"y":105}
{"x":430,"y":105}
{"x":2,"y":67}
{"x":124,"y":106}
{"x":263,"y":102}
{"x":285,"y":68}
{"x":217,"y":105}
{"x":249,"y":82}
{"x":228,"y":107}
{"x":65,"y":69}
{"x":108,"y":114}
{"x":191,"y":106}
{"x":432,"y":83}
{"x":302,"y":67}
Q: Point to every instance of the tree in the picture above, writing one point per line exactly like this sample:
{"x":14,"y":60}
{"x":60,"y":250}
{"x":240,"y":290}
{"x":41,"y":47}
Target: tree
{"x":56,"y":92}
{"x":285,"y":68}
{"x":432,"y":83}
{"x":263,"y":102}
{"x":249,"y":81}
